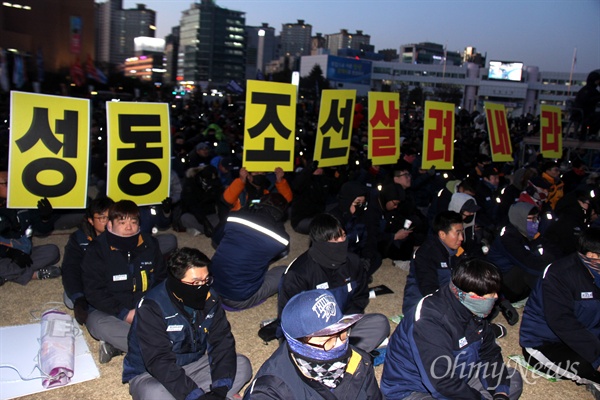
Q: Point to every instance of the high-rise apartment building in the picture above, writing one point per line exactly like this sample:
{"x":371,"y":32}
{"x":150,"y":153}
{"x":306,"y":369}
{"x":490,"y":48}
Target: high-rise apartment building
{"x":346,"y":40}
{"x":212,"y":47}
{"x":296,"y":39}
{"x":261,"y":48}
{"x":116,"y":29}
{"x":171,"y":52}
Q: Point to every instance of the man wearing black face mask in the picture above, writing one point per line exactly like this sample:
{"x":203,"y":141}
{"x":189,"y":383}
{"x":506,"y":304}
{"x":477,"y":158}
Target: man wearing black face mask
{"x":329,"y":265}
{"x":180,"y":345}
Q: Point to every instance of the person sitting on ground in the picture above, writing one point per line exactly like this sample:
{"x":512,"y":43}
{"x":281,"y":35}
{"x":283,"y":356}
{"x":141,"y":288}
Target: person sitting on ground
{"x":20,"y":261}
{"x":312,"y":188}
{"x":520,"y":252}
{"x":445,"y":348}
{"x":560,"y":331}
{"x":467,"y":207}
{"x":432,"y":265}
{"x":551,"y":173}
{"x":119,"y":267}
{"x":487,"y":196}
{"x":252,"y":186}
{"x":574,"y":212}
{"x":316,"y":360}
{"x":328,"y":264}
{"x":180,"y":344}
{"x":250,"y":241}
{"x":351,"y":213}
{"x":199,"y":197}
{"x":72,"y":279}
{"x":393,"y":230}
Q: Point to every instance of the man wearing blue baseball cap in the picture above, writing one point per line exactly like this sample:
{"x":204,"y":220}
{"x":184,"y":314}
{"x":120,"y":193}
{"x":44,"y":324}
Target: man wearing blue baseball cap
{"x":316,"y":360}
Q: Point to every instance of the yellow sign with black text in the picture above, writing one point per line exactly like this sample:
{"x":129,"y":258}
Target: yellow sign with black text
{"x":139,"y":155}
{"x":270,"y":126}
{"x":48,"y":150}
{"x":334,"y":132}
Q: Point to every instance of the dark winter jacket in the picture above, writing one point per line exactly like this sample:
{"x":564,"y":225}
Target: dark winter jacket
{"x":430,"y":269}
{"x":279,"y":378}
{"x":348,"y":283}
{"x":439,"y":337}
{"x":115,"y":280}
{"x":72,"y":275}
{"x":164,"y":337}
{"x":249,"y":242}
{"x":564,"y":308}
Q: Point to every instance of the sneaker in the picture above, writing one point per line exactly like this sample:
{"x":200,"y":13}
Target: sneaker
{"x":499,"y":330}
{"x":49,"y":272}
{"x":403,"y":265}
{"x":521,"y":303}
{"x":107,"y":351}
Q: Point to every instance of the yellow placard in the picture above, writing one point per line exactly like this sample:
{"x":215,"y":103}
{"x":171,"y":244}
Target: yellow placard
{"x":139,"y":155}
{"x":384,"y":128}
{"x":48,"y":150}
{"x":438,"y":135}
{"x":334,"y":132}
{"x":270,"y":126}
{"x":551,"y":131}
{"x":497,"y":124}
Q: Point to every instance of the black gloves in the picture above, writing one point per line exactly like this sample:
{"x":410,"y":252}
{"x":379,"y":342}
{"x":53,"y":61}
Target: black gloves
{"x":431,"y":171}
{"x":167,"y":205}
{"x":44,"y":208}
{"x":219,"y":393}
{"x":80,"y":308}
{"x":18,"y":257}
{"x":509,"y":312}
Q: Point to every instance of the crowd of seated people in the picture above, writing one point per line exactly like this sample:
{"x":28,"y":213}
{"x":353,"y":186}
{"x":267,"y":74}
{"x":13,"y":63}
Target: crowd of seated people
{"x":478,"y":242}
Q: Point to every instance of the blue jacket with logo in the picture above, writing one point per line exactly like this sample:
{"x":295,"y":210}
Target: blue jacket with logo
{"x":437,"y":348}
{"x":564,"y":307}
{"x":164,"y":337}
{"x":430,"y":269}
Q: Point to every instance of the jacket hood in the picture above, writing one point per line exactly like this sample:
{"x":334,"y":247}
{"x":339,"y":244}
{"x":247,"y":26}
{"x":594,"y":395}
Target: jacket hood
{"x":457,"y":201}
{"x":593,"y":77}
{"x":350,"y":191}
{"x":517,"y":215}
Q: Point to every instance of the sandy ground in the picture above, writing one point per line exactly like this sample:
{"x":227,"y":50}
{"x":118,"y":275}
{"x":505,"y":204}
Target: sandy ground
{"x":18,"y":302}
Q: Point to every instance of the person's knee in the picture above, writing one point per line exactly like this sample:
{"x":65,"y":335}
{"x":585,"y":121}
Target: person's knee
{"x":244,"y":368}
{"x":516,"y":383}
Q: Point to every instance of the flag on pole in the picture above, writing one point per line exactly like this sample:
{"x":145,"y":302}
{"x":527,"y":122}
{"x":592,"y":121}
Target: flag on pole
{"x":94,"y":72}
{"x":77,"y":75}
{"x":235,"y":87}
